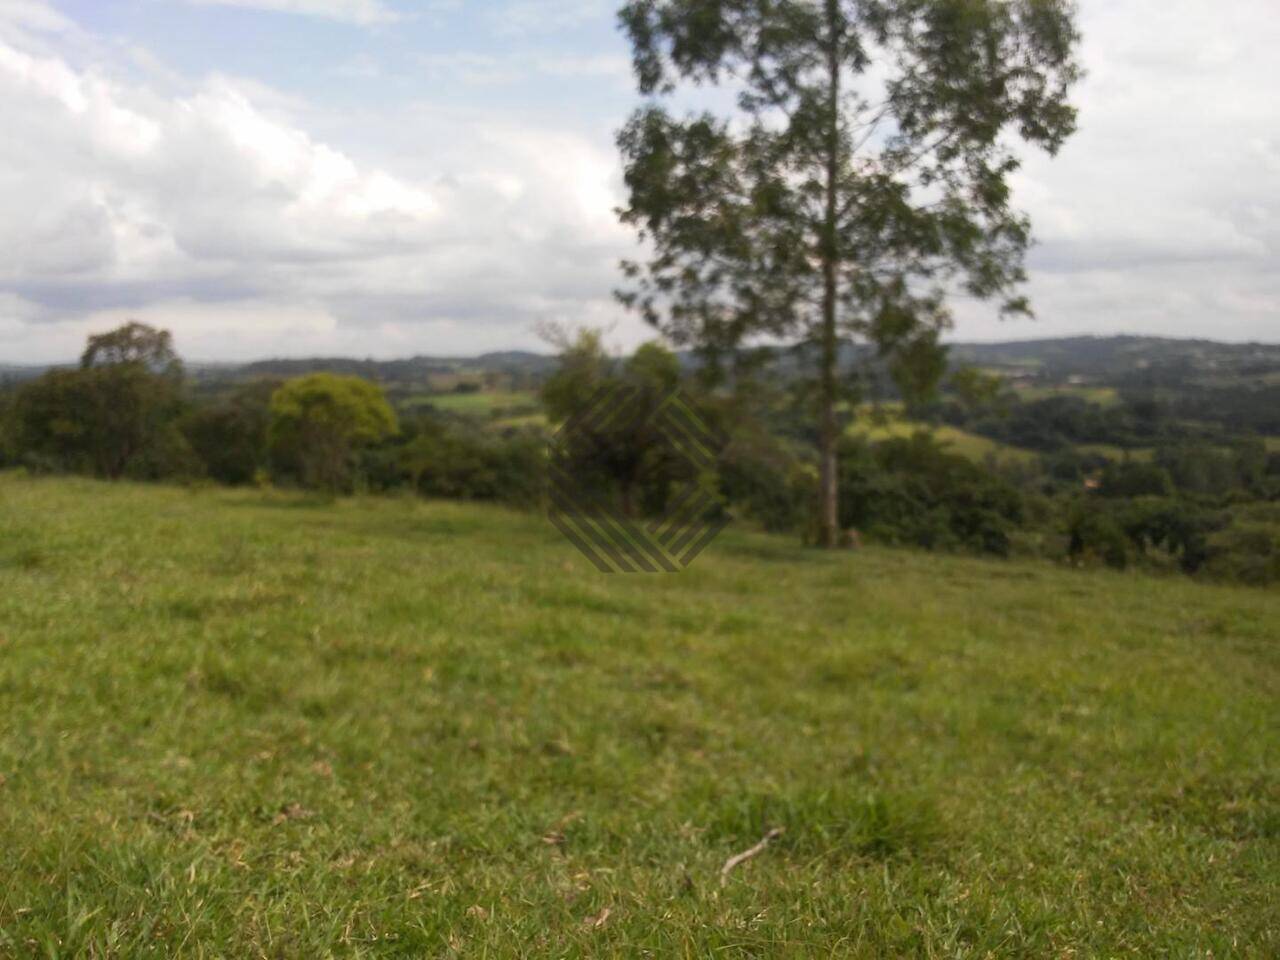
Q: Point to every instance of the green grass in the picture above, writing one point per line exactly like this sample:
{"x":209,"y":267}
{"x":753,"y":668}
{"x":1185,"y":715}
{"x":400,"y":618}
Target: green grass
{"x":1103,"y":396}
{"x":525,"y":420}
{"x":247,"y":724}
{"x":1112,"y":452}
{"x":476,"y":404}
{"x":970,"y":445}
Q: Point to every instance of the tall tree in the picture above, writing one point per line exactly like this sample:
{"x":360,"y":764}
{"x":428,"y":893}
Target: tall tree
{"x":113,"y":416}
{"x":134,"y":344}
{"x":861,"y":180}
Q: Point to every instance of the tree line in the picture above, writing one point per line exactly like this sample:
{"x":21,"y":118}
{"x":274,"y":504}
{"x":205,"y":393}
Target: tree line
{"x":127,"y":412}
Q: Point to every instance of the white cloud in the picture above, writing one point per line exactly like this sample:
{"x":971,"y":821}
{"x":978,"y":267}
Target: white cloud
{"x":216,"y":207}
{"x":548,"y":16}
{"x":32,"y":15}
{"x":1161,"y":214}
{"x":362,"y":12}
{"x":208,"y":210}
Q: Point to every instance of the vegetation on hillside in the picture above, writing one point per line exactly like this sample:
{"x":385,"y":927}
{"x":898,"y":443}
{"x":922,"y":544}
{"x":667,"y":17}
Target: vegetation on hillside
{"x":984,"y":468}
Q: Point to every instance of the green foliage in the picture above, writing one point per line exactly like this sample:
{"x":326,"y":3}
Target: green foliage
{"x":319,"y":421}
{"x":977,"y":390}
{"x":582,"y":369}
{"x":864,"y":174}
{"x":447,"y":459}
{"x":1133,"y":478}
{"x":1096,"y":535}
{"x":1249,"y":554}
{"x":1117,"y":531}
{"x":766,"y":483}
{"x":112,"y":417}
{"x":913,"y":491}
{"x":1176,"y":527}
{"x":134,"y":345}
{"x":622,"y":458}
{"x":230,"y":436}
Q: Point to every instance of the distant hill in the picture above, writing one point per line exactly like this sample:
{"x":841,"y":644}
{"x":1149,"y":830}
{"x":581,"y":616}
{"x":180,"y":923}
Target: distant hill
{"x":1120,"y":360}
{"x":1107,"y":358}
{"x":399,"y":371}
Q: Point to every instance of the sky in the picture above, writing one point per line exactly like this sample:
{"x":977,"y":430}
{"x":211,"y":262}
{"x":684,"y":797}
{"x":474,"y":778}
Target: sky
{"x":383,"y":178}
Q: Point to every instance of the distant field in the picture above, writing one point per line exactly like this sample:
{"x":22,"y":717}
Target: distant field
{"x":966,"y":444}
{"x":527,"y":420}
{"x":1143,"y":454}
{"x":248,"y":724}
{"x":1103,"y":396}
{"x":479,"y":404}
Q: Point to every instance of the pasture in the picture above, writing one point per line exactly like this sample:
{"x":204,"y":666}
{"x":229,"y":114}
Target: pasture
{"x":254,"y":724}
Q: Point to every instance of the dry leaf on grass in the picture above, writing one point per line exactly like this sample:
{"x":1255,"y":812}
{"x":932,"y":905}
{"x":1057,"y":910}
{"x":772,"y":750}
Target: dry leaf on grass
{"x":292,"y":811}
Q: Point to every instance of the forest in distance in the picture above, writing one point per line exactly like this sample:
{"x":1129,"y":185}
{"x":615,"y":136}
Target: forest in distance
{"x":1124,"y":451}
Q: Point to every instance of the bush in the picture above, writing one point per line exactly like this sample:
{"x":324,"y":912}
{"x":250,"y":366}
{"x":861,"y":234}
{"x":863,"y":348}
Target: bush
{"x":230,"y":437}
{"x":320,"y":422}
{"x":1135,"y":479}
{"x":1096,"y":535}
{"x":1249,"y":556}
{"x":454,"y":460}
{"x":914,"y":491}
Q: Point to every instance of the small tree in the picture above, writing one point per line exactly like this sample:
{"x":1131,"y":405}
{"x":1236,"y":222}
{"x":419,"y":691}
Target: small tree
{"x":862,"y":179}
{"x":621,"y":456}
{"x":320,"y":420}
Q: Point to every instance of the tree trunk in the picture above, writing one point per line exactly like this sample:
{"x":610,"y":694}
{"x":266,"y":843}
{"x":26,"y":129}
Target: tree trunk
{"x":828,"y":496}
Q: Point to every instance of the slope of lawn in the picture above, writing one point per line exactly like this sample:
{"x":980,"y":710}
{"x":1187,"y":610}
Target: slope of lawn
{"x":249,"y":724}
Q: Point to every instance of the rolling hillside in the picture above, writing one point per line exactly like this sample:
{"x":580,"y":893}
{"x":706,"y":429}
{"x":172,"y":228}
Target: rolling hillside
{"x":273,"y":726}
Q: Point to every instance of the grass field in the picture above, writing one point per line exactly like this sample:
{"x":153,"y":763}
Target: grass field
{"x":478,"y":403}
{"x":1119,"y":454}
{"x":1103,"y":396}
{"x":249,"y":724}
{"x":970,"y":445}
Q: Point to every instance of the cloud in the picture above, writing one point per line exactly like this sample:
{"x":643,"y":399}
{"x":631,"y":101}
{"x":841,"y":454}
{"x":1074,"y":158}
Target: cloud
{"x":32,"y":15}
{"x":210,"y":209}
{"x":254,"y":221}
{"x":482,"y":69}
{"x":548,"y":16}
{"x":1161,"y":214}
{"x":362,"y":12}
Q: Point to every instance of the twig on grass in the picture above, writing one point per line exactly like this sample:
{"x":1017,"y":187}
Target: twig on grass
{"x":745,"y":855}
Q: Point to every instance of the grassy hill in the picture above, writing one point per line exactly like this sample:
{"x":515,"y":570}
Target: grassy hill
{"x":251,"y":724}
{"x":888,"y":422}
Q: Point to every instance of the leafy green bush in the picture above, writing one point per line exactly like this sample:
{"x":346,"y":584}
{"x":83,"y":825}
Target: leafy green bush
{"x":913,"y":491}
{"x":318,"y":424}
{"x":230,"y":437}
{"x":450,"y":459}
{"x":1095,"y":534}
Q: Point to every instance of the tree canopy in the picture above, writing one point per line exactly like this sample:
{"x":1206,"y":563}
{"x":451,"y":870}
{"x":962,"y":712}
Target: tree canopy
{"x":318,"y":420}
{"x":860,"y":182}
